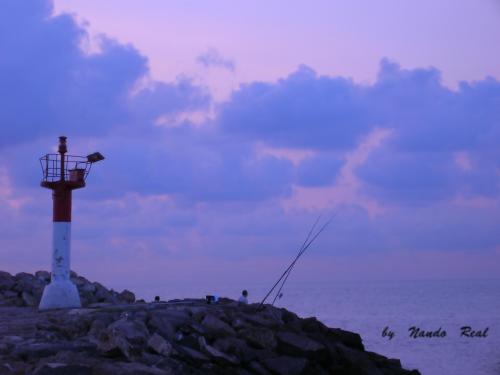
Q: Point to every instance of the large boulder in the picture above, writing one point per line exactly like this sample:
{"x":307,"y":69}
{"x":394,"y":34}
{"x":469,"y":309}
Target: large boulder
{"x":159,"y":345}
{"x":350,"y":339}
{"x":134,"y":331}
{"x":299,"y":345}
{"x":215,"y":354}
{"x":126,"y":296}
{"x":216,"y":327}
{"x":260,"y":338}
{"x":113,"y":343}
{"x":7,"y":281}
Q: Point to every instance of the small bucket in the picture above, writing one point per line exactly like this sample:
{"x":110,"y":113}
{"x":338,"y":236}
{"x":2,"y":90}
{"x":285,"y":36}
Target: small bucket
{"x":76,"y":175}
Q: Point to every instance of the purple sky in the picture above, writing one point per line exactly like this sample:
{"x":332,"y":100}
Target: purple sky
{"x":227,"y":131}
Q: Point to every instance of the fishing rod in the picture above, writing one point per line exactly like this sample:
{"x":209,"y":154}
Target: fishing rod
{"x":298,"y":256}
{"x":302,"y":249}
{"x":287,"y":271}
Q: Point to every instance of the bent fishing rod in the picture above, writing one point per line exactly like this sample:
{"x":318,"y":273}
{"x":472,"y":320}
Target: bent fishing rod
{"x":302,"y":250}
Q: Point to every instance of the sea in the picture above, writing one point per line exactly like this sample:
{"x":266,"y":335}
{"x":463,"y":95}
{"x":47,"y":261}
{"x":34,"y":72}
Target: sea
{"x":375,"y":309}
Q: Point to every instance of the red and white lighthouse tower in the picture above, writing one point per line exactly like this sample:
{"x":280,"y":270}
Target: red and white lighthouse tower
{"x":62,"y":174}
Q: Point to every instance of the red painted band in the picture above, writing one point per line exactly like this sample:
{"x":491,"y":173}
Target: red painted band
{"x":61,"y":197}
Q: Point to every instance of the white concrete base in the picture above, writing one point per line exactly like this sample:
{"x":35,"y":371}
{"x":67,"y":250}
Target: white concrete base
{"x":60,"y":294}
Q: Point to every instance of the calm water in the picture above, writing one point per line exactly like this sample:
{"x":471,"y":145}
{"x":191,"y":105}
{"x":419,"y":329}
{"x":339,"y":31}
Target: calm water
{"x":368,"y":307}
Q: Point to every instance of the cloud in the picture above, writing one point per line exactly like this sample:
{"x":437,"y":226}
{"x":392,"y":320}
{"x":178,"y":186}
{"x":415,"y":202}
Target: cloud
{"x":213,"y":58}
{"x":51,"y":86}
{"x":319,"y":170}
{"x":430,"y":125}
{"x":303,"y":110}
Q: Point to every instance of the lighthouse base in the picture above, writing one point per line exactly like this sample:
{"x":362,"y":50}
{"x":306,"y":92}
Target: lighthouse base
{"x":60,"y":294}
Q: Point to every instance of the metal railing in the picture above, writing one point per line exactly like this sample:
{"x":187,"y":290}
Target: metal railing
{"x":51,"y":166}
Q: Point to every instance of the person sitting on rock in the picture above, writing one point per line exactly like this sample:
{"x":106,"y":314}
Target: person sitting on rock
{"x":243,"y":298}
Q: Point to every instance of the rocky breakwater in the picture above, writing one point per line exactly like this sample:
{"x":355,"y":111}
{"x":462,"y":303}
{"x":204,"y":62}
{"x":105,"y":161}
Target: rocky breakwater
{"x":180,"y":337}
{"x":24,"y":289}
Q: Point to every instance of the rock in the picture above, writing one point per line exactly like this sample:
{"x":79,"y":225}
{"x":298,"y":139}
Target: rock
{"x":127,"y":296}
{"x":28,"y":299}
{"x":359,"y":360}
{"x":122,"y":368}
{"x":6,"y":368}
{"x":113,"y":343}
{"x":26,"y":282}
{"x":217,"y":355}
{"x":6,"y":281}
{"x":97,"y":326}
{"x":135,"y":332}
{"x":350,"y":339}
{"x":87,"y":288}
{"x":162,"y":325}
{"x":34,"y":350}
{"x":43,"y":276}
{"x":10,"y":294}
{"x":217,"y":327}
{"x":63,"y":369}
{"x":286,"y":365}
{"x":296,"y":345}
{"x":259,"y":337}
{"x":257,"y":368}
{"x":193,"y":355}
{"x":159,"y":345}
{"x":266,"y":319}
{"x":313,"y":325}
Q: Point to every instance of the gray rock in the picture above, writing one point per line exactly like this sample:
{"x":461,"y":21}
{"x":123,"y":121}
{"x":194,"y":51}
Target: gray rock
{"x":87,"y":288}
{"x":122,"y":368}
{"x":96,"y":327}
{"x":63,"y":369}
{"x":217,"y":327}
{"x":159,"y":345}
{"x":135,"y":332}
{"x":43,"y":276}
{"x":113,"y":343}
{"x":28,"y":299}
{"x":297,"y":345}
{"x":358,"y":360}
{"x":6,"y":281}
{"x":192,"y":355}
{"x":217,"y":355}
{"x":127,"y":296}
{"x":261,"y":338}
{"x":285,"y":365}
{"x":162,"y":325}
{"x":350,"y":339}
{"x":257,"y":368}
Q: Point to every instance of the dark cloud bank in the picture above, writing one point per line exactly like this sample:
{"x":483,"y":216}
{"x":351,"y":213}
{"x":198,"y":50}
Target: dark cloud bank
{"x":443,"y":144}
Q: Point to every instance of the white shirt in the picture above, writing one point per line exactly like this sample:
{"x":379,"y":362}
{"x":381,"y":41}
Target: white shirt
{"x":243,"y":299}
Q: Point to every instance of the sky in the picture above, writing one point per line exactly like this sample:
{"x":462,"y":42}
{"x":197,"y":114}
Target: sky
{"x":228,"y":129}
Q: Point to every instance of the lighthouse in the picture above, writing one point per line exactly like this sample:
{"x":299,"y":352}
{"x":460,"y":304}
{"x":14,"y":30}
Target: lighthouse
{"x":62,"y":174}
